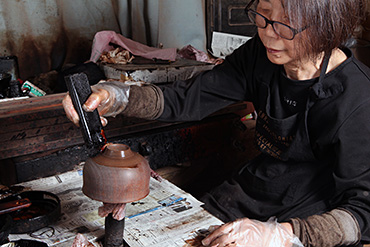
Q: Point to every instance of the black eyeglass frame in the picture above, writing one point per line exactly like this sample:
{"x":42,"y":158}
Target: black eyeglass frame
{"x":294,"y":31}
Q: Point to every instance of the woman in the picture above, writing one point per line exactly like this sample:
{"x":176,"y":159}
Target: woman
{"x":313,"y":105}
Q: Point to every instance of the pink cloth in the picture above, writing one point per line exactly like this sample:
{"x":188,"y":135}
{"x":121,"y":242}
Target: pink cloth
{"x":189,"y":52}
{"x":103,"y":38}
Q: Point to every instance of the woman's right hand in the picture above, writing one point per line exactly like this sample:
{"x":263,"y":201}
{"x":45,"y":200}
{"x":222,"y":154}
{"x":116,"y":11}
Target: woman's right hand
{"x":97,"y":100}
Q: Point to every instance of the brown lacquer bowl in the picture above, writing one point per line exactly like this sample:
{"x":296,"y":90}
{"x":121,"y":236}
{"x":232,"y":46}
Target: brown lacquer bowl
{"x":117,"y":175}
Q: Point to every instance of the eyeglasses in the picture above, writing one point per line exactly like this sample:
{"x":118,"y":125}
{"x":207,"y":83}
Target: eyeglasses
{"x":281,"y":29}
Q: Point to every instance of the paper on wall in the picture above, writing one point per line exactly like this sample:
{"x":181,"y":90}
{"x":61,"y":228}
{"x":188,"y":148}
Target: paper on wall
{"x":224,"y":44}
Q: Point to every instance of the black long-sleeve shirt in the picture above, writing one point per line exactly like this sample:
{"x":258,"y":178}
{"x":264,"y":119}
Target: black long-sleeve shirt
{"x":338,"y":127}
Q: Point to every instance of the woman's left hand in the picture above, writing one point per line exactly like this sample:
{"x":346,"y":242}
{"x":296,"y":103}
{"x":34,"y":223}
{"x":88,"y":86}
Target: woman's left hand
{"x":247,"y":233}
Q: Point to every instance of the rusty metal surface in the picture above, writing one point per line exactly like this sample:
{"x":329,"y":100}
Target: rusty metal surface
{"x":44,"y":35}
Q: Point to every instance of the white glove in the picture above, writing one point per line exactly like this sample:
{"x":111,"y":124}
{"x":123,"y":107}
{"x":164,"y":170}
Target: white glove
{"x":252,"y":233}
{"x":109,"y":97}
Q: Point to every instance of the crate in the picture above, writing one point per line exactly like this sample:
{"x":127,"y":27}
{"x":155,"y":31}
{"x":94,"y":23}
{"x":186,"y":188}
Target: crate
{"x":156,"y":72}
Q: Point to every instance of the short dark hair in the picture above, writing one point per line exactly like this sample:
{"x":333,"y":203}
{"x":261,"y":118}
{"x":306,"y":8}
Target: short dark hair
{"x":331,"y":22}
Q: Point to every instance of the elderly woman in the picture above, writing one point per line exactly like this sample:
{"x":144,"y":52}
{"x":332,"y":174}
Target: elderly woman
{"x":312,"y":179}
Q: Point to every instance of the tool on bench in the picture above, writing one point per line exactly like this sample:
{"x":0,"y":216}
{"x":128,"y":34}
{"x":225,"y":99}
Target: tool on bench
{"x":7,"y":207}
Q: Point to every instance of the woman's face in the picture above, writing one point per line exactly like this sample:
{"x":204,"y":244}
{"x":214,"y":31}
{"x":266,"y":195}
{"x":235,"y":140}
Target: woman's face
{"x":279,"y":50}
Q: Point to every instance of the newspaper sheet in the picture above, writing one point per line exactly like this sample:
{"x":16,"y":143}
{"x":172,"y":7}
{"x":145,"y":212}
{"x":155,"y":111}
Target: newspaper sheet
{"x":168,"y":216}
{"x":224,"y":44}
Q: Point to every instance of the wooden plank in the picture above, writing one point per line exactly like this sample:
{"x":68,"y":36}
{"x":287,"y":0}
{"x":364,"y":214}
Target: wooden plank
{"x":180,"y":63}
{"x":39,"y":147}
{"x":22,"y":108}
{"x":26,"y":133}
{"x":35,"y":141}
{"x":39,"y":125}
{"x":33,"y":124}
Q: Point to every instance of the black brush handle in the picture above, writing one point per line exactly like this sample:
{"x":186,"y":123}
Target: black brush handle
{"x":92,"y":130}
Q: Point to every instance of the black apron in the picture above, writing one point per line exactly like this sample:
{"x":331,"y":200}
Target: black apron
{"x":285,"y":181}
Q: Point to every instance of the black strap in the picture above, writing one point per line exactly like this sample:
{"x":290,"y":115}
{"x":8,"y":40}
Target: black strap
{"x":325,"y":64}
